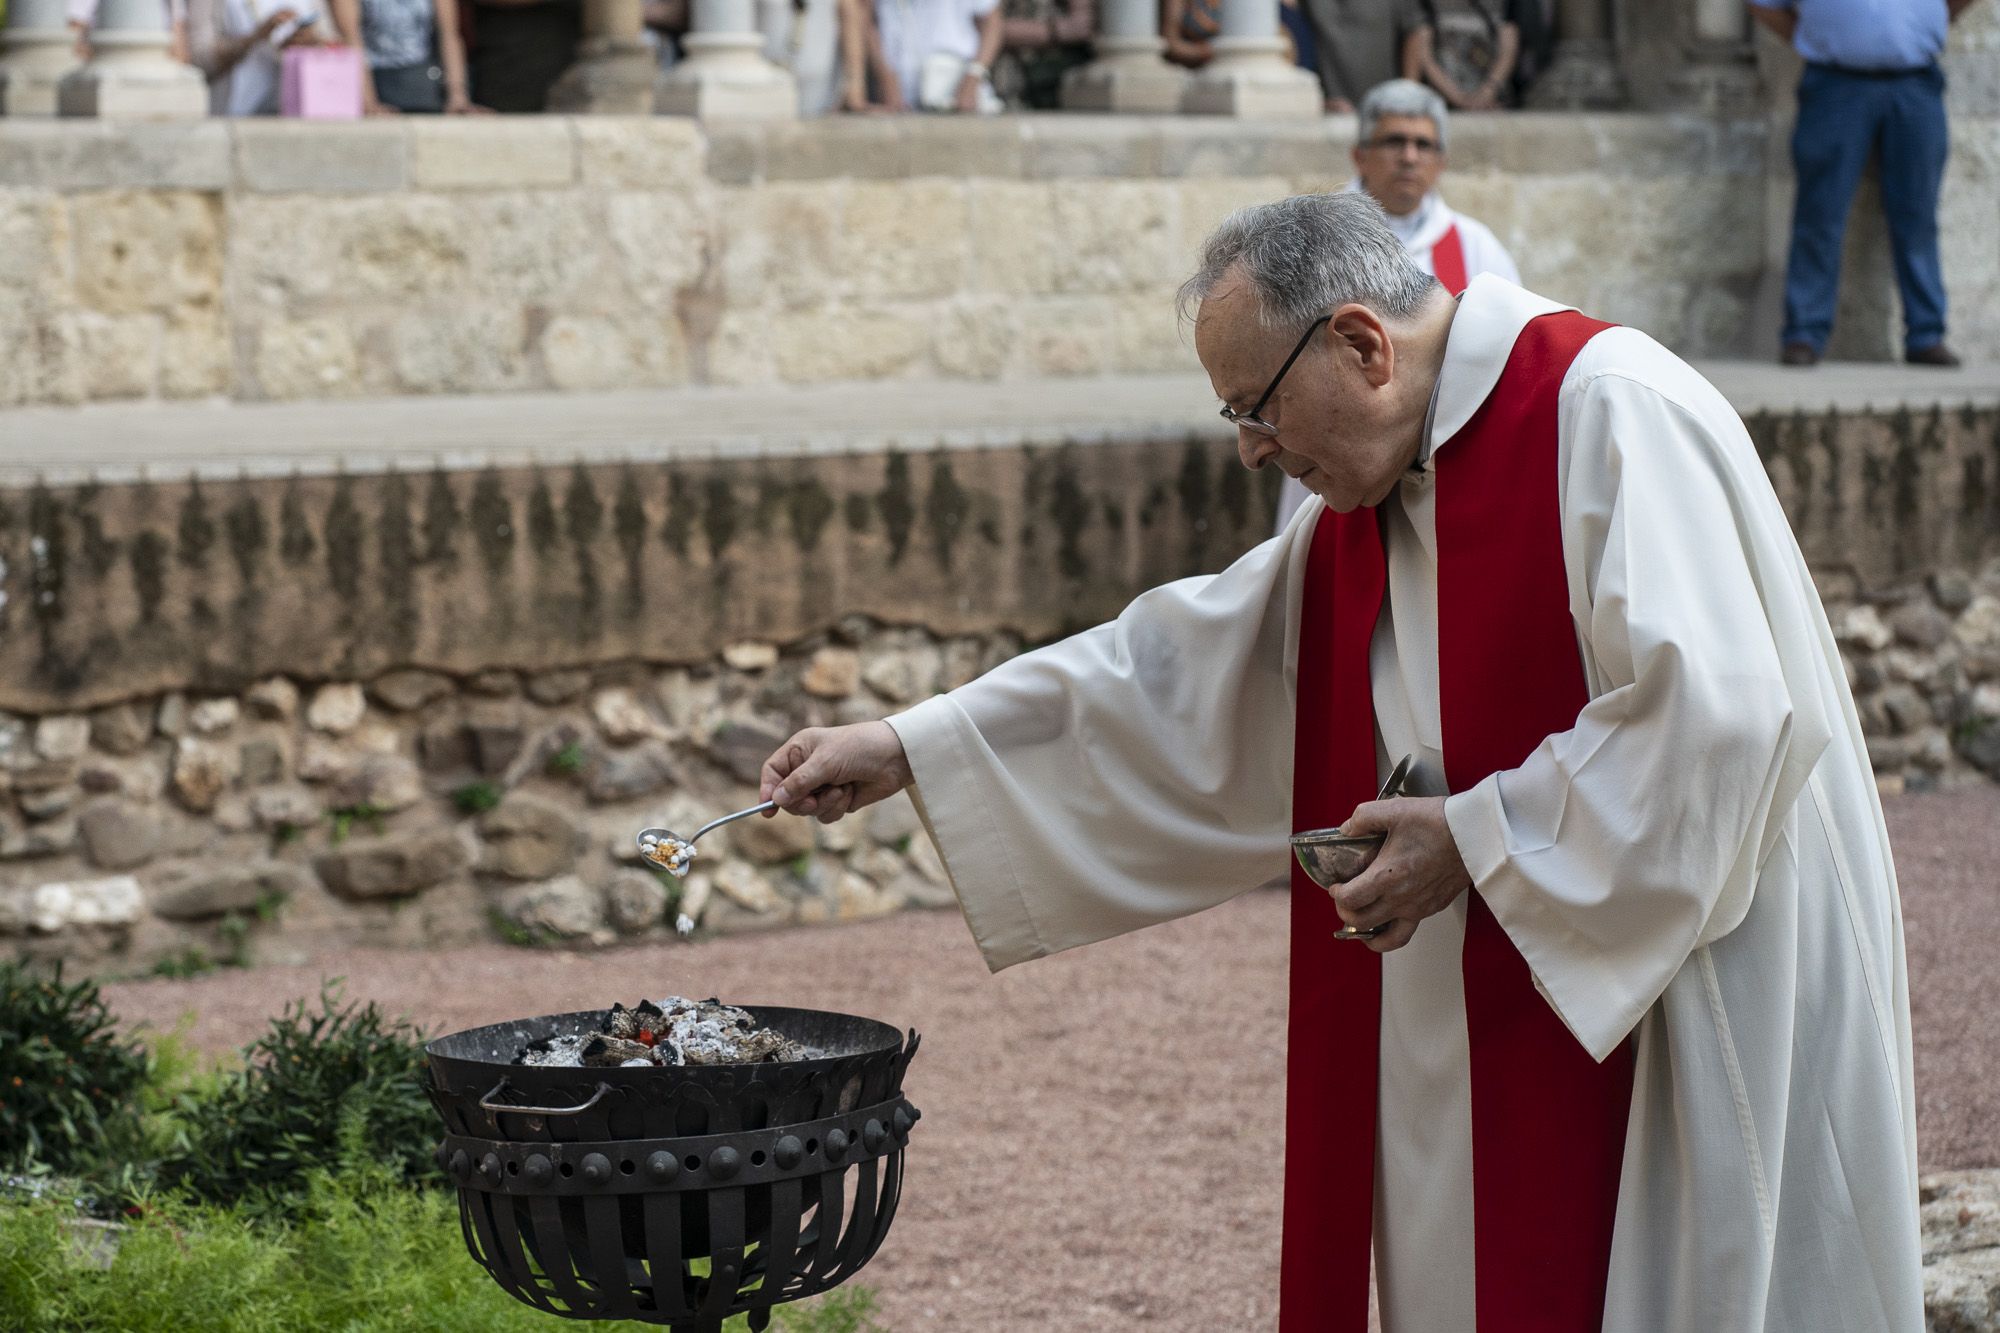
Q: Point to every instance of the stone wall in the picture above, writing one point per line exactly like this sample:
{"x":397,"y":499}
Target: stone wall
{"x":273,"y":715}
{"x":283,"y":260}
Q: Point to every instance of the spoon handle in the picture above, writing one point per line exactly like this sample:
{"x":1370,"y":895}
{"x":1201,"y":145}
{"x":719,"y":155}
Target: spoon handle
{"x":731,"y":819}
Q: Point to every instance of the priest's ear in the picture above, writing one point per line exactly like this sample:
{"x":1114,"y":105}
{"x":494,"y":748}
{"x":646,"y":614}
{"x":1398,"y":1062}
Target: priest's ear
{"x":1362,"y":344}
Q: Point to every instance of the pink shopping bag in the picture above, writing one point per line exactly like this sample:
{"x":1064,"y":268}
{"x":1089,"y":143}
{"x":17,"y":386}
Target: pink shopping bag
{"x":321,"y":83}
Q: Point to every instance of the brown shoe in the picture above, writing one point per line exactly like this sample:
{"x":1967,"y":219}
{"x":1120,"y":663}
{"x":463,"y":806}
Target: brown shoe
{"x":1799,"y":354}
{"x":1935,"y":355}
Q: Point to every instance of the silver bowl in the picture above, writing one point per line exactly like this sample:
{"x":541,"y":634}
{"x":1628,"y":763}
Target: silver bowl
{"x":1330,"y":857}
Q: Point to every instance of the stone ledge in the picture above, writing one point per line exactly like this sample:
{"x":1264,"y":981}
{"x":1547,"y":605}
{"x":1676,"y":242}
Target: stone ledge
{"x":553,"y":152}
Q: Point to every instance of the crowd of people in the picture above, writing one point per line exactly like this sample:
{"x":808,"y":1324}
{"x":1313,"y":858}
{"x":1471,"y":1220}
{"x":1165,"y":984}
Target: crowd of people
{"x":864,"y":56}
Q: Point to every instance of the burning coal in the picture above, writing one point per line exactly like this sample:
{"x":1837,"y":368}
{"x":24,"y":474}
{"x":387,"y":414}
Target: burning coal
{"x":675,"y":1031}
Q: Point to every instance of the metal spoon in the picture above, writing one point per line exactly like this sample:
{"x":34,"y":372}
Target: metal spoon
{"x":658,"y":835}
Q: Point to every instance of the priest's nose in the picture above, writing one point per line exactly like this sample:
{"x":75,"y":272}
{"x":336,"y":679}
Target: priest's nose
{"x":1255,"y":450}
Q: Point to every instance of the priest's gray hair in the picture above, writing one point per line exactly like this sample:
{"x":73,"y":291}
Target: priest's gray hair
{"x":1308,"y":255}
{"x":1400,"y":97}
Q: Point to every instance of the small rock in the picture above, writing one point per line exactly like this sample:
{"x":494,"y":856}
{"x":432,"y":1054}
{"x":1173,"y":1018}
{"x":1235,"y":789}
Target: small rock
{"x":494,"y":684}
{"x":833,"y":673}
{"x":171,"y":720}
{"x":892,"y":820}
{"x":261,"y":762}
{"x":961,"y":664}
{"x":213,"y":715}
{"x":773,"y":840}
{"x":741,"y":748}
{"x":1906,"y":709}
{"x":385,"y":782}
{"x":1868,"y":674}
{"x":1888,"y":786}
{"x":750,"y":656}
{"x":287,"y":806}
{"x":566,"y":907}
{"x":407,"y":691}
{"x":63,"y":738}
{"x":99,"y":780}
{"x":528,"y":839}
{"x":1863,"y":625}
{"x":1891,"y":754}
{"x":1979,"y":742}
{"x":199,"y":890}
{"x":903,"y":675}
{"x":840,"y":837}
{"x":202,"y":769}
{"x":622,"y":718}
{"x":445,"y":748}
{"x":558,"y":687}
{"x":92,"y":902}
{"x":1952,"y":590}
{"x":853,"y":630}
{"x":121,"y":729}
{"x":47,"y":804}
{"x":1935,"y":752}
{"x":690,"y":701}
{"x":495,"y":734}
{"x":1978,"y":628}
{"x":337,"y":709}
{"x":858,"y":898}
{"x":274,"y":700}
{"x":324,"y":760}
{"x":634,"y":901}
{"x":19,"y":842}
{"x":391,"y":867}
{"x":740,"y":883}
{"x":916,"y":891}
{"x":118,"y":835}
{"x":625,"y":775}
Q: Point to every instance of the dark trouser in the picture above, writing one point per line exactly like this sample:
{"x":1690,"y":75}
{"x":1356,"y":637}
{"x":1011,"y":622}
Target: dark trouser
{"x":1843,"y":116}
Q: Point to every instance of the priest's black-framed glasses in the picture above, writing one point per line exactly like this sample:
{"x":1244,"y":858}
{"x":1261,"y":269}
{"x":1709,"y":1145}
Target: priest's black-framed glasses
{"x":1250,"y":420}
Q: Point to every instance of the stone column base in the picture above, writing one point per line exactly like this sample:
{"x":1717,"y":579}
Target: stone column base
{"x":610,"y":78}
{"x":1250,"y":78}
{"x":133,"y":82}
{"x":1583,"y":76}
{"x":1129,"y":74}
{"x":31,"y":71}
{"x":726,"y":77}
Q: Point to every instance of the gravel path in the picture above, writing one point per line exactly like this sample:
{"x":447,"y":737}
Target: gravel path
{"x":1101,"y":1145}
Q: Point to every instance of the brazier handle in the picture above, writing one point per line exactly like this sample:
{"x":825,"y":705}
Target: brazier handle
{"x":487,"y":1103}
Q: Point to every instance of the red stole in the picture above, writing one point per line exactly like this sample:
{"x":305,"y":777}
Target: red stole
{"x":1548,"y":1123}
{"x":1448,"y":260}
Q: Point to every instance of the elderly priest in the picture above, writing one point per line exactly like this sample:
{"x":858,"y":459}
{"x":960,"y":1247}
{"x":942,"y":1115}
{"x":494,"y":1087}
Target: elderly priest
{"x":1633,"y":1049}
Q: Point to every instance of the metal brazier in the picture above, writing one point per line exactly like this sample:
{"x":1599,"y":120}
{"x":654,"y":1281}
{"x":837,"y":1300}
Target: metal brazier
{"x":680,"y":1195}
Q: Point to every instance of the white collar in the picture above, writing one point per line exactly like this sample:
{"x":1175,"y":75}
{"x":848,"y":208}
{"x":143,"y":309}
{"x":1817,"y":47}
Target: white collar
{"x":1491,"y":314}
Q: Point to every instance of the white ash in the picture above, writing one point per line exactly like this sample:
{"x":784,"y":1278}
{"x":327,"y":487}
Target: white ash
{"x":674,"y":1031}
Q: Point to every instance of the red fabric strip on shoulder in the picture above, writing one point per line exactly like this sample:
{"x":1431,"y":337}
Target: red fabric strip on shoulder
{"x":1335,"y":1023}
{"x":1548,"y":1122}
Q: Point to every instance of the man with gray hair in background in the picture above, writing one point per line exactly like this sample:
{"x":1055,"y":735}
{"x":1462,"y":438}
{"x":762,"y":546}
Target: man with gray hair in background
{"x":1399,"y":157}
{"x":1613,"y":1030}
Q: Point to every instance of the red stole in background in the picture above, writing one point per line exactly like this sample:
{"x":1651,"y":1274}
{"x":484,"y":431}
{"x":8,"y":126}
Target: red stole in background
{"x":1448,"y":260}
{"x":1548,"y":1123}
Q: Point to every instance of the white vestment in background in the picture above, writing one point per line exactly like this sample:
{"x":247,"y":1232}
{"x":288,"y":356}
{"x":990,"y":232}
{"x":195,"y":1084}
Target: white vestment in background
{"x":1700,"y":862}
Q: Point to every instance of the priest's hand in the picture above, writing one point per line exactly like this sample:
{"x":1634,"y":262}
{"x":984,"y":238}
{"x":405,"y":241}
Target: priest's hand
{"x":828,"y":771}
{"x":1417,"y":873}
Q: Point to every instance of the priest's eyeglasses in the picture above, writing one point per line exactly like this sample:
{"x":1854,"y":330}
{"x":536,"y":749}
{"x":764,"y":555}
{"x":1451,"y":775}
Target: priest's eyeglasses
{"x":1250,"y":421}
{"x":1397,"y":144}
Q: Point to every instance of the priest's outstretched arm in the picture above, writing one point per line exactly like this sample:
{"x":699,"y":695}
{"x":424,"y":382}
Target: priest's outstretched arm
{"x":1128,"y":775}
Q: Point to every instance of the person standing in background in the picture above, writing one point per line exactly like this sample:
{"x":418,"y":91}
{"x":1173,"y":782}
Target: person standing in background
{"x":1467,"y":50}
{"x":1398,"y":161}
{"x":517,"y":49}
{"x":415,"y":56}
{"x":1871,"y":83}
{"x":1359,"y":44}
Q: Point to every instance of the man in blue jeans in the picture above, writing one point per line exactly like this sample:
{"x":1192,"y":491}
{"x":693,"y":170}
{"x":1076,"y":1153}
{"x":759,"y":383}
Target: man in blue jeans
{"x":1872,"y":80}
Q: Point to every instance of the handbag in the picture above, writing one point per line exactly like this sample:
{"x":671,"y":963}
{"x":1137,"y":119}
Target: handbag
{"x":320,"y":83}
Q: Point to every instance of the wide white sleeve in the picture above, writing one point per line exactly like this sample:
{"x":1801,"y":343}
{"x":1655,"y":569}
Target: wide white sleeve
{"x":1626,"y":842}
{"x":1128,"y":775}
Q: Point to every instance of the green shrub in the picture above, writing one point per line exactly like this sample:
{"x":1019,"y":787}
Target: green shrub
{"x":476,"y":798}
{"x":262,"y":1131}
{"x":358,"y":1255}
{"x":69,"y":1081}
{"x":567,"y":761}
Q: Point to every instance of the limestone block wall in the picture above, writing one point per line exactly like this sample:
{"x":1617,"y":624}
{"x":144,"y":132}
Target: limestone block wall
{"x":275,"y":260}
